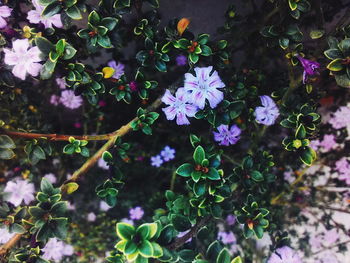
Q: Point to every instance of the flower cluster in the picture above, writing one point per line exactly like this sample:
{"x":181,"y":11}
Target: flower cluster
{"x":199,"y":88}
{"x":67,"y":97}
{"x":166,"y":155}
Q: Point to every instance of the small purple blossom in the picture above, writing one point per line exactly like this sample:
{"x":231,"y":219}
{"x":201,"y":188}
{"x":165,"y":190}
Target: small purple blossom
{"x":61,"y":83}
{"x":23,"y":58}
{"x":156,"y":161}
{"x":268,"y":112}
{"x":204,"y":86}
{"x":91,"y":217}
{"x":179,"y":106}
{"x":128,"y":221}
{"x":328,"y":143}
{"x":5,"y":235}
{"x":283,"y":255}
{"x":309,"y":67}
{"x":136,"y":213}
{"x":51,"y":178}
{"x":54,"y":100}
{"x":227,"y":136}
{"x":5,"y":11}
{"x":342,"y":165}
{"x":69,"y":100}
{"x":227,"y":237}
{"x":167,"y":153}
{"x":55,"y":250}
{"x":35,"y":17}
{"x":230,"y":220}
{"x":181,"y":60}
{"x":118,"y":68}
{"x":133,"y":86}
{"x":341,"y":118}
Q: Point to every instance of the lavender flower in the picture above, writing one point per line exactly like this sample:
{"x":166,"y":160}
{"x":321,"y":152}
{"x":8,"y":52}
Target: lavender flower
{"x":69,"y":100}
{"x":5,"y":235}
{"x":128,"y":221}
{"x":55,"y":250}
{"x":136,"y":213}
{"x":23,"y":58}
{"x":181,"y":60}
{"x":104,"y":206}
{"x":54,"y":100}
{"x":91,"y":217}
{"x":328,"y":143}
{"x":204,"y":87}
{"x":51,"y":178}
{"x":61,"y":82}
{"x":179,"y":106}
{"x":102,"y":164}
{"x":5,"y":11}
{"x":341,"y":118}
{"x":283,"y":255}
{"x":268,"y":113}
{"x":230,"y":220}
{"x":227,"y":237}
{"x":20,"y":191}
{"x":168,"y":153}
{"x":227,"y":136}
{"x":35,"y":17}
{"x":118,"y":68}
{"x":156,"y":161}
{"x":309,"y":67}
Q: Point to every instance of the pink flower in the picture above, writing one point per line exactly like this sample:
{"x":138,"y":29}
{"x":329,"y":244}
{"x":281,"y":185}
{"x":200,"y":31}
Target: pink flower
{"x":91,"y":217}
{"x":179,"y":106}
{"x":69,"y":100}
{"x":342,"y":165}
{"x":54,"y":99}
{"x":227,"y":237}
{"x":55,"y":250}
{"x":341,"y":118}
{"x":230,"y":220}
{"x":5,"y":235}
{"x":23,"y":58}
{"x":102,"y":164}
{"x":314,"y":144}
{"x":35,"y":17}
{"x":283,"y":255}
{"x":104,"y":206}
{"x":20,"y":191}
{"x":328,"y":143}
{"x":136,"y":213}
{"x":51,"y":178}
{"x":5,"y":11}
{"x":61,"y":82}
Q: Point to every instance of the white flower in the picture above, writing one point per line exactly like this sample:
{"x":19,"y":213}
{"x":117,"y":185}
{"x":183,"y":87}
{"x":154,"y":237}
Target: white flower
{"x":19,"y":190}
{"x":91,"y":217}
{"x":104,"y":206}
{"x":51,"y":178}
{"x":35,"y":17}
{"x":5,"y":235}
{"x":102,"y":164}
{"x":55,"y":250}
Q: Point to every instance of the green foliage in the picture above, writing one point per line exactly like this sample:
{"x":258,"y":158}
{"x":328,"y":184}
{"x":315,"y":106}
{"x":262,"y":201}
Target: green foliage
{"x":72,"y":8}
{"x":152,"y":56}
{"x":37,"y":150}
{"x":76,"y":146}
{"x":144,"y":121}
{"x":6,"y":147}
{"x":48,"y":218}
{"x":139,"y":244}
{"x":28,"y":254}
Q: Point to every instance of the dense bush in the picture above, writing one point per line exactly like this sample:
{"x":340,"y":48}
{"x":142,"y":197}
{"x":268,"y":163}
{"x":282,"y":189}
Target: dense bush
{"x":227,"y":148}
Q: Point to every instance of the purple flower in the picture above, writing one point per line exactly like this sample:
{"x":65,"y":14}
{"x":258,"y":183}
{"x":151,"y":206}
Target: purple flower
{"x":136,"y":213}
{"x":128,"y":221}
{"x":54,"y":99}
{"x":309,"y":67}
{"x":227,"y":136}
{"x":342,"y":165}
{"x":118,"y":68}
{"x":156,"y":161}
{"x":91,"y":217}
{"x":35,"y":17}
{"x":51,"y":178}
{"x":227,"y":237}
{"x":328,"y":143}
{"x":23,"y":58}
{"x":5,"y":11}
{"x":179,"y":106}
{"x":181,"y":60}
{"x":5,"y":235}
{"x":168,"y":153}
{"x":69,"y":100}
{"x":268,"y":113}
{"x":230,"y":220}
{"x":20,"y":191}
{"x":55,"y":250}
{"x":283,"y":255}
{"x":204,"y":87}
{"x":61,"y":82}
{"x":341,"y":118}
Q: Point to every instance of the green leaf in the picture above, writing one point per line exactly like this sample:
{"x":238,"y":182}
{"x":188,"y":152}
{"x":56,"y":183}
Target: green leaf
{"x":6,"y":142}
{"x":193,"y":58}
{"x":284,"y":42}
{"x":203,"y":39}
{"x":69,"y":52}
{"x":104,"y":41}
{"x":316,"y":34}
{"x":199,"y":155}
{"x":206,"y":51}
{"x":335,"y":65}
{"x":144,"y":231}
{"x":69,"y":149}
{"x":52,"y":9}
{"x":160,"y":66}
{"x":59,"y":209}
{"x":237,"y":259}
{"x":125,"y":231}
{"x":342,"y":80}
{"x":36,"y":212}
{"x":71,"y":187}
{"x":259,"y":231}
{"x":146,"y":249}
{"x":94,"y":18}
{"x":185,"y":170}
{"x":109,"y":22}
{"x":130,"y":247}
{"x":187,"y":255}
{"x":300,"y":132}
{"x":46,"y":186}
{"x":74,"y":13}
{"x":257,"y":176}
{"x":181,"y":223}
{"x":223,"y":257}
{"x":333,"y":53}
{"x":44,"y":45}
{"x":213,"y":174}
{"x":199,"y":188}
